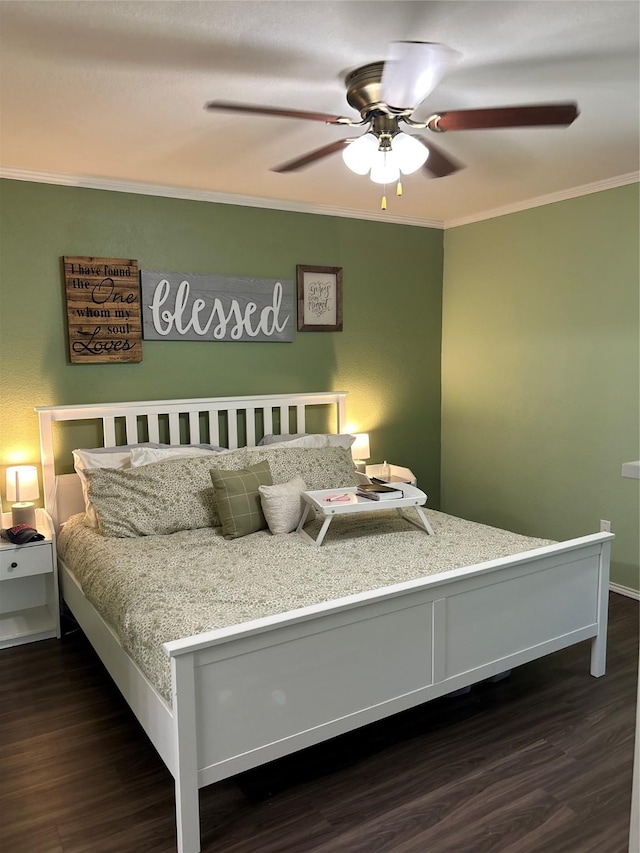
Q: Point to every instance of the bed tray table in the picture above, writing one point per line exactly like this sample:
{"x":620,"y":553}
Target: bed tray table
{"x":320,"y":500}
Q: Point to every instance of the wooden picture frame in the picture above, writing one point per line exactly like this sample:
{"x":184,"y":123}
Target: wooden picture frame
{"x":103,"y":310}
{"x":319,"y":298}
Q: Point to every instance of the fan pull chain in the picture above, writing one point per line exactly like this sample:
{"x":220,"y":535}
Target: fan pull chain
{"x":383,"y":203}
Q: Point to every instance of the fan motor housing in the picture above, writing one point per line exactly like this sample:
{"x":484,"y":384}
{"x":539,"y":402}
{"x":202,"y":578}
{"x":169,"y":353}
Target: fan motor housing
{"x":364,"y":87}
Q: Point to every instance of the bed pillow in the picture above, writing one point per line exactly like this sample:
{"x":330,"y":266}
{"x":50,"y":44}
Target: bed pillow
{"x":238,"y":498}
{"x":308,"y":440}
{"x":147,"y":455}
{"x":161,"y":498}
{"x":282,"y":505}
{"x":320,"y":468}
{"x":100,"y":457}
{"x":271,"y":438}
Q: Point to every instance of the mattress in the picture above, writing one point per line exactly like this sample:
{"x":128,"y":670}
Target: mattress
{"x":154,"y":589}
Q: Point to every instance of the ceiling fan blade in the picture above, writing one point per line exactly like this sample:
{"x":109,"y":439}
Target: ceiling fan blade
{"x":534,"y":115}
{"x":439,"y":164}
{"x":412,"y":70}
{"x":311,"y":157}
{"x":231,"y":106}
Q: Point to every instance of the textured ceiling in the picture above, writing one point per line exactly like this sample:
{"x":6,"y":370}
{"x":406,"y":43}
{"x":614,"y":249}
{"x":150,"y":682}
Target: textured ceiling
{"x":115,"y":91}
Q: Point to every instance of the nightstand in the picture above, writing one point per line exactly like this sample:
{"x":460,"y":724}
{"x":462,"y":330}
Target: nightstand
{"x":397,"y":474}
{"x":29,"y":606}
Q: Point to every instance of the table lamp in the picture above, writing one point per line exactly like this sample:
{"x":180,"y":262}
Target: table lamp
{"x":22,"y":488}
{"x":360,"y":450}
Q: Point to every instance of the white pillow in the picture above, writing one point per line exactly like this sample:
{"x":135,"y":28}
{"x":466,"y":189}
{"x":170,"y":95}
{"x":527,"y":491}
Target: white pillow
{"x":97,"y":458}
{"x":282,"y":505}
{"x":147,"y":455}
{"x":314,"y":440}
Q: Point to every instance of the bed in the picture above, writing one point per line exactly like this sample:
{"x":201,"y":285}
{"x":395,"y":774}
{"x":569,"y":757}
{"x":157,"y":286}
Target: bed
{"x":250,"y":691}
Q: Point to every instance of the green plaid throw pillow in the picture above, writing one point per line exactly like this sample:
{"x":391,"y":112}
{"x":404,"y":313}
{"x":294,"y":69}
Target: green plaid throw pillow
{"x":238,"y":499}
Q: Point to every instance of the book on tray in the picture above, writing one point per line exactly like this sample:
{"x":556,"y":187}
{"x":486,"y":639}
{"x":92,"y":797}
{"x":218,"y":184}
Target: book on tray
{"x":379,"y":492}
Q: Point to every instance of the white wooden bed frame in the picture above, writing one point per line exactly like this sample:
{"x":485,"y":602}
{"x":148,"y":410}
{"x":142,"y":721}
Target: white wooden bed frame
{"x":248,"y":694}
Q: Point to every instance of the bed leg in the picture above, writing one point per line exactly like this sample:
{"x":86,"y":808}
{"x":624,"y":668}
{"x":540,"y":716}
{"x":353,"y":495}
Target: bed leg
{"x":599,"y":642}
{"x":598,"y":656}
{"x":186,"y":773}
{"x":187,"y":818}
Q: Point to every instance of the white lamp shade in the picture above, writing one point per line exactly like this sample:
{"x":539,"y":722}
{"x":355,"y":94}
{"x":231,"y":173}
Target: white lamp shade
{"x":359,"y":154}
{"x":413,"y":70}
{"x":385,"y":169}
{"x":410,"y":153}
{"x":22,"y":483}
{"x":360,"y":447}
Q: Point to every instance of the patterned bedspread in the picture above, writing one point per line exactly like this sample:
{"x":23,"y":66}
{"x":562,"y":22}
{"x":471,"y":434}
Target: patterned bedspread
{"x":154,"y":589}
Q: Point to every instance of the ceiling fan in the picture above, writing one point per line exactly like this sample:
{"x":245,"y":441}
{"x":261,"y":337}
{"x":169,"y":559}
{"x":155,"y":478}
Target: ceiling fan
{"x":387,"y":94}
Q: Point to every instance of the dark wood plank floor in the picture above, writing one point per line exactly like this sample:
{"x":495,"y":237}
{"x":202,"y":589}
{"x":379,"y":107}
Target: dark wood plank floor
{"x":539,"y":762}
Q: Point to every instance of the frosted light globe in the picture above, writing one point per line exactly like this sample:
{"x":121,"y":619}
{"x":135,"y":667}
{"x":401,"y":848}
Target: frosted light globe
{"x":359,"y":154}
{"x":385,"y":169}
{"x":410,"y":153}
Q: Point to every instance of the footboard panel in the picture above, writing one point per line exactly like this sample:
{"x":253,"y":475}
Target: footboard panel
{"x":314,"y":682}
{"x":499,"y":622}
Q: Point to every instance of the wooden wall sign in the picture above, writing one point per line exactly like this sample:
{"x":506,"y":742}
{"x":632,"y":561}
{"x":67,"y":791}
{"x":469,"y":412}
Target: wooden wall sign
{"x":103,"y":310}
{"x":189,"y":307}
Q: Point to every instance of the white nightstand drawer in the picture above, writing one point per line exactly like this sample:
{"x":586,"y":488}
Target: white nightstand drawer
{"x":25,"y":560}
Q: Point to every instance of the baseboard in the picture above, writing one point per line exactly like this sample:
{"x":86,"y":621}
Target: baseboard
{"x":625,"y":590}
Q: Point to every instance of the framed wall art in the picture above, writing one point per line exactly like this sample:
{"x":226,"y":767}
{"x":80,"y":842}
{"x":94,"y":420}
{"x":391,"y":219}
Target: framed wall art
{"x":319,"y":298}
{"x":103,"y":310}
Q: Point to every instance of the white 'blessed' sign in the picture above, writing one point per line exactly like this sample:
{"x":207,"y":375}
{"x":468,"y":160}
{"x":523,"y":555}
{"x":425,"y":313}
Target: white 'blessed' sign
{"x":183,"y":307}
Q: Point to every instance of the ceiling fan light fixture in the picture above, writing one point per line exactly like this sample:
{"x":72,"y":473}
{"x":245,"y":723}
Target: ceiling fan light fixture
{"x":385,"y":168}
{"x":410,"y":153}
{"x":359,"y":155}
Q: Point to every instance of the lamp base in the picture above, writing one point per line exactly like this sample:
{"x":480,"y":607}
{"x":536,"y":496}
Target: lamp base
{"x":24,"y":513}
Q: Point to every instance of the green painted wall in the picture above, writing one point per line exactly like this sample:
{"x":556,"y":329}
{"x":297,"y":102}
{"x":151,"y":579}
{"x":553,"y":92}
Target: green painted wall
{"x":392,"y":289}
{"x":539,"y":340}
{"x":541,"y":371}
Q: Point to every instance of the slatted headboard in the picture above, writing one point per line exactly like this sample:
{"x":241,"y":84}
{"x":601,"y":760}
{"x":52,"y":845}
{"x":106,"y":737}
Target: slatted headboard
{"x":231,"y":421}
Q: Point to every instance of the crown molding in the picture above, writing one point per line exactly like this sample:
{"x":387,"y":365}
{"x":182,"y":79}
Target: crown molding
{"x":140,"y":188}
{"x":540,"y":201}
{"x":191,"y":194}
